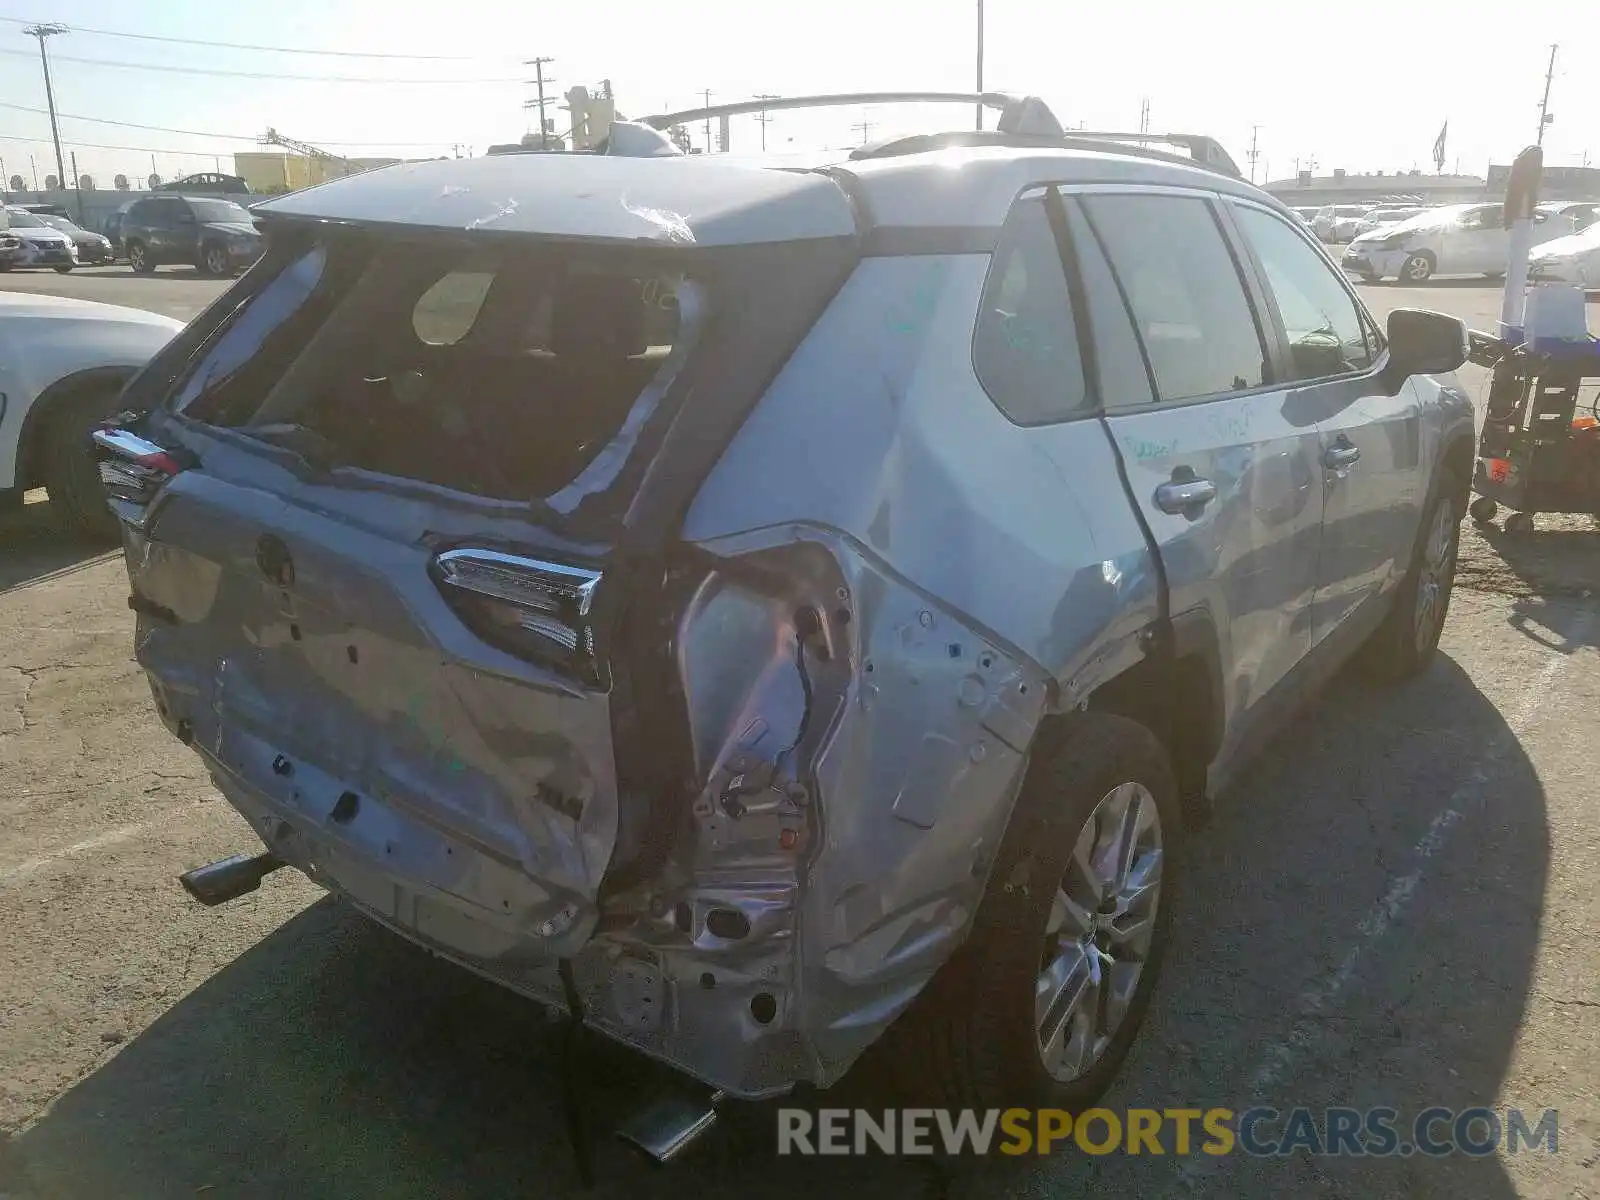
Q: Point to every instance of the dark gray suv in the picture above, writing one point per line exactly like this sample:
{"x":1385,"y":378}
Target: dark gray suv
{"x":214,"y":235}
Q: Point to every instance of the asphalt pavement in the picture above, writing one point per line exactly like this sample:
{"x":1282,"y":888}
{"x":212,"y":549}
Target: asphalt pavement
{"x":1396,"y":907}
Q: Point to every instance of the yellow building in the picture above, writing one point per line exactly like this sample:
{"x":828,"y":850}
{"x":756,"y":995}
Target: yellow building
{"x":267,"y":172}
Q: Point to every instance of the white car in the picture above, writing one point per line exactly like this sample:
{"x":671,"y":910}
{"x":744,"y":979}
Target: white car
{"x":63,"y":364}
{"x":1380,"y":217}
{"x":1461,"y":239}
{"x":1332,"y":220}
{"x":42,"y":246}
{"x":1571,"y":259}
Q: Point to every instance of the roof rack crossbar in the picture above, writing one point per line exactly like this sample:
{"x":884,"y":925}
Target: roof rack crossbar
{"x":998,"y":100}
{"x":1020,"y":116}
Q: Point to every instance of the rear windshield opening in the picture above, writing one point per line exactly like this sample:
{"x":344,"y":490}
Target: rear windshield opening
{"x":501,"y":372}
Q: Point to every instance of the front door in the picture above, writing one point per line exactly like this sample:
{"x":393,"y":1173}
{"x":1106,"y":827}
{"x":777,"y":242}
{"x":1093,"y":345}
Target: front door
{"x":1223,"y":469}
{"x":1369,"y":459}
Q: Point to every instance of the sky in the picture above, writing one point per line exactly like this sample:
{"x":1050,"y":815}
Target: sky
{"x":1367,"y":86}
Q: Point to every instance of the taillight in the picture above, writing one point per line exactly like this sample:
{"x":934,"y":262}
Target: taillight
{"x":527,"y":606}
{"x":132,"y":468}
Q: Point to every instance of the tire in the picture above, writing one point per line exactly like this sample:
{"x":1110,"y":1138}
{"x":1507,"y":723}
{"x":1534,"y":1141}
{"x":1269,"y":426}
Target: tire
{"x":1405,"y":644}
{"x":972,"y":1038}
{"x":1418,"y":268}
{"x":1519,"y":523}
{"x":64,"y":269}
{"x":214,"y":261}
{"x":71,"y":477}
{"x":1483,"y":509}
{"x":139,"y":259}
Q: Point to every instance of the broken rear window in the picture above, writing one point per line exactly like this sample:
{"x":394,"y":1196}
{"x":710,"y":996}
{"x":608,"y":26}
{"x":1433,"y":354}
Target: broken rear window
{"x":500,"y":371}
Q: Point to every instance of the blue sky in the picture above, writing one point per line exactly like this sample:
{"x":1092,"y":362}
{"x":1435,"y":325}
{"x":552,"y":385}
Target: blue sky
{"x":1362,"y":84}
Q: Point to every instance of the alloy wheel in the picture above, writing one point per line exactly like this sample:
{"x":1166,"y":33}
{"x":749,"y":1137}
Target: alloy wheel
{"x":1433,"y":575}
{"x":1099,"y":932}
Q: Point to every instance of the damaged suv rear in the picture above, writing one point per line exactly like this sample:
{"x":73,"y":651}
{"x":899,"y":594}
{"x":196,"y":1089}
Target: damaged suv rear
{"x":710,"y":599}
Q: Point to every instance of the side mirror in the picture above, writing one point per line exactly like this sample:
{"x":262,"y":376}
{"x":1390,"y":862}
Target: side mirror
{"x":1424,"y":343}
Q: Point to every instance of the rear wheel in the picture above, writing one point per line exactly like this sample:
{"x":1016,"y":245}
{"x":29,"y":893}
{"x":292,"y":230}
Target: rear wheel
{"x":1519,"y":523}
{"x":64,"y":269}
{"x":139,"y":259}
{"x":1418,"y":268}
{"x":71,"y":476}
{"x":1483,"y":510}
{"x":1404,"y":645}
{"x":1041,"y":1005}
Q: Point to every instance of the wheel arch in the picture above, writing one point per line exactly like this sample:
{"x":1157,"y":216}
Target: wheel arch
{"x":1176,"y":691}
{"x":1456,"y":459}
{"x":36,"y":422}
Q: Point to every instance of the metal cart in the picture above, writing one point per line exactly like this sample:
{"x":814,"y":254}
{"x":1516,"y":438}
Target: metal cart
{"x":1540,"y":446}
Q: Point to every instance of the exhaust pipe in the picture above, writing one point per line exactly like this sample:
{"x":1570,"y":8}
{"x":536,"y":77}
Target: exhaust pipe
{"x":229,"y":878}
{"x":671,"y":1123}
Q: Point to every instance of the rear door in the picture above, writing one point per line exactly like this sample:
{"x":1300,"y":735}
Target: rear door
{"x":1224,"y":469}
{"x":1370,"y":471}
{"x":1475,"y":243}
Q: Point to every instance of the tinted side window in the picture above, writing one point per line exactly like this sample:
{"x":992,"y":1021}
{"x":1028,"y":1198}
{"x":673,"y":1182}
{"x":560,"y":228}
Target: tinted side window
{"x":1025,"y":347}
{"x":139,"y":214}
{"x":1183,"y":292}
{"x":1320,"y":316}
{"x":1123,"y":376}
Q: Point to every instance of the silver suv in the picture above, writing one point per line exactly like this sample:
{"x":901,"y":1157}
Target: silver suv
{"x":750,"y":608}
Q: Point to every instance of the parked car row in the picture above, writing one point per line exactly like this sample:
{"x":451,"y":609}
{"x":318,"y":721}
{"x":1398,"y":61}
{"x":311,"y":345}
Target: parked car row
{"x":1460,"y":239}
{"x":213,"y":234}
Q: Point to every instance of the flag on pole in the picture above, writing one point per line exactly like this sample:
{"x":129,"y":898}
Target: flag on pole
{"x":1438,"y":147}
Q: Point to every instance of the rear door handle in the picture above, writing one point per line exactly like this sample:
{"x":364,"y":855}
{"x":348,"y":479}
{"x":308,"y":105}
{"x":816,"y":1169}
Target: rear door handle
{"x":1185,"y":497}
{"x":1340,"y":455}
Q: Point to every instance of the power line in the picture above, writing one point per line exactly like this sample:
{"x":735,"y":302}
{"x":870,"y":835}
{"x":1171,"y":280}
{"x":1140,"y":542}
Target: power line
{"x":230,"y":137}
{"x":177,"y":41}
{"x":11,"y":137}
{"x":139,"y":66}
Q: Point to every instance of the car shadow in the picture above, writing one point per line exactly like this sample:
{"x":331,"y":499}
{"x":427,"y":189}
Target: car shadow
{"x":1555,"y":623}
{"x":1561,"y":557}
{"x":33,"y":549}
{"x":333,"y":1059}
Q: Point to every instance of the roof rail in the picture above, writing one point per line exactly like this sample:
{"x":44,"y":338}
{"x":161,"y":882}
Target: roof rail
{"x":1206,"y":151}
{"x":924,"y":143}
{"x":1018,"y":114}
{"x":1027,"y":119}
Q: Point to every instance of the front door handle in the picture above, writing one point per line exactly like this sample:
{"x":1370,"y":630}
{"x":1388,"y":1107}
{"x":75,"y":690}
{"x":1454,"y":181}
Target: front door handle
{"x":1185,"y":497}
{"x":1340,"y":455}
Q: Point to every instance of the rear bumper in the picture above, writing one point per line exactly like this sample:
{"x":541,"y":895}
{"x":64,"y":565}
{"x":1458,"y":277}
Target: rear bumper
{"x":658,"y":1004}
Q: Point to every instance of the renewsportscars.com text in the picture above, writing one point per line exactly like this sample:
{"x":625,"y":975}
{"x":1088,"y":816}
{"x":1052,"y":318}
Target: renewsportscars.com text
{"x":1259,"y":1132}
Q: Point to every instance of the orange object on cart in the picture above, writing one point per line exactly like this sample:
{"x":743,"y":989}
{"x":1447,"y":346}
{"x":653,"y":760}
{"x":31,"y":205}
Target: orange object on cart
{"x":1499,"y":469}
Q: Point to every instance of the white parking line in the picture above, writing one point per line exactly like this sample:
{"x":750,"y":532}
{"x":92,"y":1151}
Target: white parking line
{"x":1317,"y":999}
{"x":100,"y":840}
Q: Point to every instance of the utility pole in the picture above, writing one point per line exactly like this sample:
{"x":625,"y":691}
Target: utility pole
{"x":764,"y":117}
{"x":1255,"y":153}
{"x":979,"y":88}
{"x":706,"y":92}
{"x":43,"y":32}
{"x":1544,"y":105}
{"x":77,"y":185}
{"x":865,"y":126}
{"x":539,"y":81}
{"x":1144,"y":115}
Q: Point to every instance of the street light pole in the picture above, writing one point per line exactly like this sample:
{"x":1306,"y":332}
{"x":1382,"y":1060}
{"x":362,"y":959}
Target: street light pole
{"x":980,"y":62}
{"x":42,"y":32}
